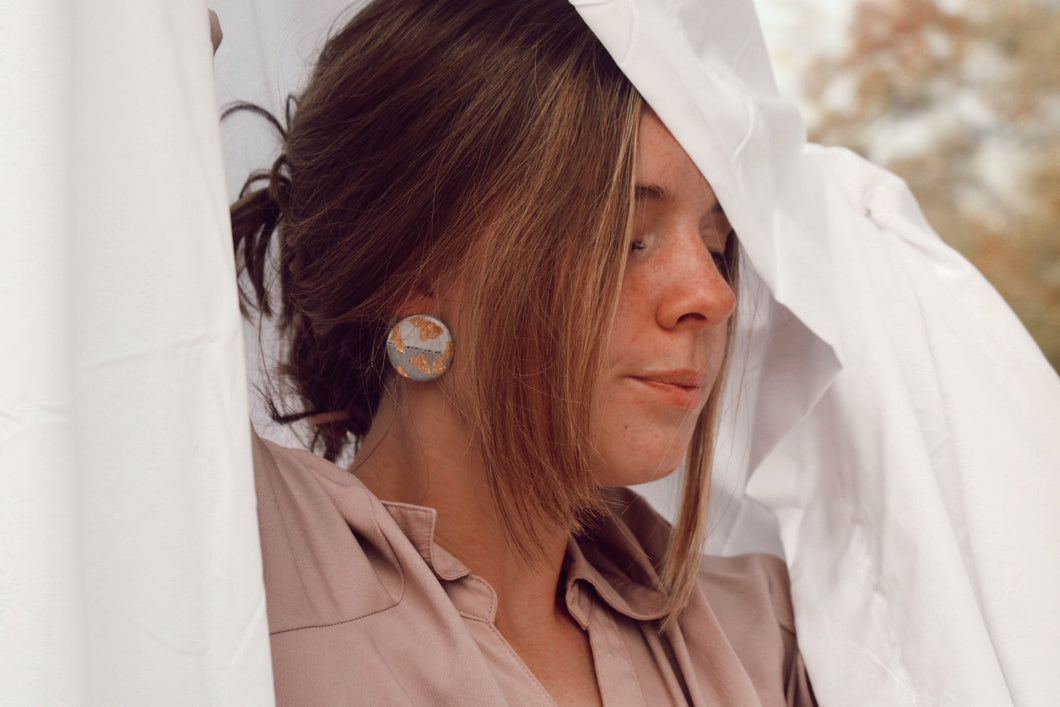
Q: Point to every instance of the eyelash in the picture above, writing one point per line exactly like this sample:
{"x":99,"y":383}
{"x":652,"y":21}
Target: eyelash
{"x":720,"y":258}
{"x":723,"y":260}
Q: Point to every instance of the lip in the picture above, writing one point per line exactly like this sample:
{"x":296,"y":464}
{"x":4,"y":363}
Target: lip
{"x":684,"y":377}
{"x":680,"y":388}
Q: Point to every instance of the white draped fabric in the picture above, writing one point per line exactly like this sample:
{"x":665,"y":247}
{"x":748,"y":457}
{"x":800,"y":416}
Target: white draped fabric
{"x":889,"y":426}
{"x":130,"y":570}
{"x":886,"y":406}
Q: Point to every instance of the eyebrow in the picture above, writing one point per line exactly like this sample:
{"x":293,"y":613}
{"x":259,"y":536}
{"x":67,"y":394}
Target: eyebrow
{"x":650,"y":192}
{"x":654,"y":192}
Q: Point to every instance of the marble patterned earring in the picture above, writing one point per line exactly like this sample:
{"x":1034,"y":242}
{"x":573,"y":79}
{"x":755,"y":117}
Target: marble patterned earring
{"x":420,"y":347}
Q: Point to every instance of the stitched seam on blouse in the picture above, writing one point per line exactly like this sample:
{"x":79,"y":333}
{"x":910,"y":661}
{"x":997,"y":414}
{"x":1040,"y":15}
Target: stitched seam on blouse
{"x":521,"y":663}
{"x":492,"y":597}
{"x":611,"y":579}
{"x":332,"y":624}
{"x":616,"y":634}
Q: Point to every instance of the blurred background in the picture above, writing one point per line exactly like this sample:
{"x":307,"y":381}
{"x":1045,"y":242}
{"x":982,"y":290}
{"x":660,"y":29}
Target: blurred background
{"x":961,"y":98}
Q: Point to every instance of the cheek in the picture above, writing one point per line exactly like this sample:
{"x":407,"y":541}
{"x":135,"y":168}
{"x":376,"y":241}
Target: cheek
{"x":636,"y":447}
{"x":636,"y":439}
{"x":633,"y":318}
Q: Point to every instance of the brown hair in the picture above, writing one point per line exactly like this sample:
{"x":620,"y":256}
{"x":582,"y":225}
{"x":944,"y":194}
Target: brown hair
{"x":488,"y":141}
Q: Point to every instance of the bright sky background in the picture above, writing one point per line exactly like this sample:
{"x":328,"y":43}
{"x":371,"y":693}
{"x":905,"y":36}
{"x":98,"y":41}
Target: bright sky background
{"x":796,"y":31}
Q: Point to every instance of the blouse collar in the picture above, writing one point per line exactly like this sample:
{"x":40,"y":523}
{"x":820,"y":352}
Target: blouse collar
{"x":613,"y":560}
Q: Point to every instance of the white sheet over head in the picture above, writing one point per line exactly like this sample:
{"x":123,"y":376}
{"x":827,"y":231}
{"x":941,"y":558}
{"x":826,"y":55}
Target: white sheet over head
{"x":891,"y":411}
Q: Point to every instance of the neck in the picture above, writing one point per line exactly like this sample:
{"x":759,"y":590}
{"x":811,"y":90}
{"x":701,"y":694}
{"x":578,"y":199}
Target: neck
{"x":418,"y":451}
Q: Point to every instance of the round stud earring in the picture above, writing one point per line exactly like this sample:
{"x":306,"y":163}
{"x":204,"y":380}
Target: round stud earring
{"x":420,"y":347}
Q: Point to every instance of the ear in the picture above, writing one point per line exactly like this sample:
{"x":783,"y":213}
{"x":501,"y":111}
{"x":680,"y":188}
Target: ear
{"x":420,"y":302}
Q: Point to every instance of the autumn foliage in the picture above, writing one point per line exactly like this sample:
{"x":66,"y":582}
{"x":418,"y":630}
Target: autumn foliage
{"x":963,"y":102}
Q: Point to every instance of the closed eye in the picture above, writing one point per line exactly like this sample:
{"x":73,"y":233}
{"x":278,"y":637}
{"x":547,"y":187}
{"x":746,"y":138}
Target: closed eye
{"x":723,"y":260}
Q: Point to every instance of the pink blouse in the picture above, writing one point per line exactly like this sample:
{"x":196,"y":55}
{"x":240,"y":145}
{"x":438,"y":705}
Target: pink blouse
{"x":365,"y":608}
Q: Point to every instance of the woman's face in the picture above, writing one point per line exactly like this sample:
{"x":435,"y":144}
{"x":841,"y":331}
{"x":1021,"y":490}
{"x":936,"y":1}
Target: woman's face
{"x":669,"y":336}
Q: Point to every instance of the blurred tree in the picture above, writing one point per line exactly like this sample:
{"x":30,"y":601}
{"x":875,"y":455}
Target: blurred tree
{"x":963,"y":102}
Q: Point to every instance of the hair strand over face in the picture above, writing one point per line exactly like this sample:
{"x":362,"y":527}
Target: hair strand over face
{"x":489,"y":144}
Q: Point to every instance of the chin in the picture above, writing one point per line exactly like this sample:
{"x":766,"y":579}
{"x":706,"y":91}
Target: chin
{"x":630,"y":473}
{"x":631,"y":454}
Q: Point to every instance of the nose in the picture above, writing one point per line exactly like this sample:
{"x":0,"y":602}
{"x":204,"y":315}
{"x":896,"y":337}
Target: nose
{"x":695,"y":292}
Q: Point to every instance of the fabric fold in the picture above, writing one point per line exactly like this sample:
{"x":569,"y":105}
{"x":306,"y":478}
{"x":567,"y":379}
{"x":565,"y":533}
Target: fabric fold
{"x":131,"y":565}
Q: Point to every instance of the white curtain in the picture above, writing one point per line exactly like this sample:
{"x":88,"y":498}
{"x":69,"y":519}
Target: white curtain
{"x":130,"y":570}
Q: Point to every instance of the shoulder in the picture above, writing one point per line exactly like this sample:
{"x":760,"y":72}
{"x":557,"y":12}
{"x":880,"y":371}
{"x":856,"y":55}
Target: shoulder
{"x":737,"y":586}
{"x":328,"y":544}
{"x":750,"y":599}
{"x":740,"y":606}
{"x":745,"y":586}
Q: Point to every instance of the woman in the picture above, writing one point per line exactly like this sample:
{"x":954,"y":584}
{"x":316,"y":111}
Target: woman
{"x":476,"y":190}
